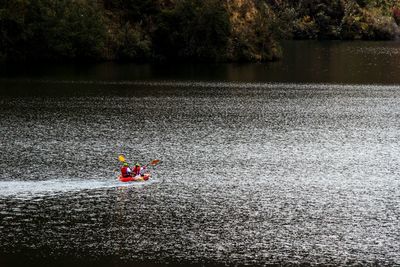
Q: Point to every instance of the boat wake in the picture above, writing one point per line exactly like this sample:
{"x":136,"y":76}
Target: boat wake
{"x":34,"y":189}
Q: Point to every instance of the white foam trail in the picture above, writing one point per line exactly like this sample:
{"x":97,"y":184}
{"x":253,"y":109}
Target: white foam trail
{"x":32,"y":189}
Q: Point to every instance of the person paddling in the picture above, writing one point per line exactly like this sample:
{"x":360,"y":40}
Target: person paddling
{"x":125,"y":170}
{"x":138,"y":170}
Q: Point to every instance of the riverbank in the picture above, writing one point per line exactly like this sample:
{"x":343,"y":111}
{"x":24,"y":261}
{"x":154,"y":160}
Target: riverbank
{"x":138,"y":31}
{"x":191,"y":31}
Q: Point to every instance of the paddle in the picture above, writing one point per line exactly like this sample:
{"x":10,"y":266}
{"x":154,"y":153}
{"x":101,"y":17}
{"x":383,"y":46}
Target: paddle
{"x":121,"y":158}
{"x":154,"y":162}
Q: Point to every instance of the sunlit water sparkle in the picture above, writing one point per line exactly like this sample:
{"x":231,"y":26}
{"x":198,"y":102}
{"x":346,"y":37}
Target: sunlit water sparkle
{"x":252,"y":173}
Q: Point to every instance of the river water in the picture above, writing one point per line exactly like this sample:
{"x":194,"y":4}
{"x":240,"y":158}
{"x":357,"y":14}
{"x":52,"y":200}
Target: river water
{"x":292,"y":162}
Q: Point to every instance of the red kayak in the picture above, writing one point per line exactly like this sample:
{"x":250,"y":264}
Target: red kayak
{"x":138,"y":178}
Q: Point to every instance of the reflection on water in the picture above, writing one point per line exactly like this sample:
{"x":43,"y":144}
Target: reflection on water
{"x":304,"y":62}
{"x":251,"y":173}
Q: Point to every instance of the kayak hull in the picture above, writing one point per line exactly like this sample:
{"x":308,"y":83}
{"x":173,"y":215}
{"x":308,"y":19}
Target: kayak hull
{"x":137,"y":178}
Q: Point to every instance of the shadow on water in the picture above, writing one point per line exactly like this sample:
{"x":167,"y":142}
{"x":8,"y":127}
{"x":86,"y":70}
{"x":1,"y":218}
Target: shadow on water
{"x":304,"y":62}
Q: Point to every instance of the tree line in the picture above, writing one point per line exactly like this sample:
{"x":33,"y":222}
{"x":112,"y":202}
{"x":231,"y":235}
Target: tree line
{"x":195,"y":30}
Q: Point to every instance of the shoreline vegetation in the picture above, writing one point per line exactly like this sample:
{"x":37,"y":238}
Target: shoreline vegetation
{"x":183,"y":30}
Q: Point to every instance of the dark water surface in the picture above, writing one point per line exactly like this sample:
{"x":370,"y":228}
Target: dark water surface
{"x":293,"y":162}
{"x":303,"y":62}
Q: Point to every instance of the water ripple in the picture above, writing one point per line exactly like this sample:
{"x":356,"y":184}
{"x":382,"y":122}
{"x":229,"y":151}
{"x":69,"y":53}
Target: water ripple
{"x":251,"y":173}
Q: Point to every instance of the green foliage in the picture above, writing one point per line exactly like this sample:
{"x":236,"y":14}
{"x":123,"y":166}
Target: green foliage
{"x":363,"y":3}
{"x":13,"y":36}
{"x":282,"y":22}
{"x":132,"y":45}
{"x":192,"y":30}
{"x":50,"y":29}
{"x":206,"y":30}
{"x":318,"y":19}
{"x":368,"y":24}
{"x":252,"y":38}
{"x":340,"y":19}
{"x":75,"y":30}
{"x":118,"y":29}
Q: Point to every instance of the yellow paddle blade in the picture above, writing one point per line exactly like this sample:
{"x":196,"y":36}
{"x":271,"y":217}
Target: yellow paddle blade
{"x":121,"y":158}
{"x":154,"y":162}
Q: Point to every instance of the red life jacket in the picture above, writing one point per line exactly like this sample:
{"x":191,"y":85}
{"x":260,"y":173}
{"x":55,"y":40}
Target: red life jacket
{"x":136,"y":170}
{"x":124,"y":172}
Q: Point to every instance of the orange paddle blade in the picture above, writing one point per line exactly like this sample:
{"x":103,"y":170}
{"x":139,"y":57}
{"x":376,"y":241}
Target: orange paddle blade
{"x":154,"y":162}
{"x":121,"y":158}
